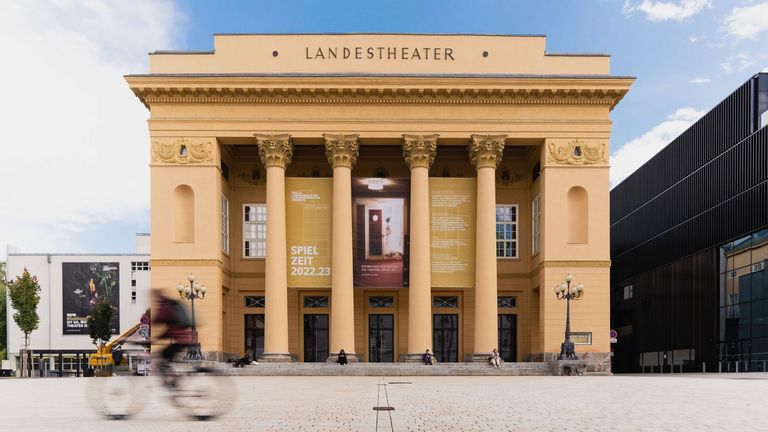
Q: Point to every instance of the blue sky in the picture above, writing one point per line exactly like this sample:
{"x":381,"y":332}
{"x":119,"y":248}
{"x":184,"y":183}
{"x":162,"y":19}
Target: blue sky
{"x":93,"y":192}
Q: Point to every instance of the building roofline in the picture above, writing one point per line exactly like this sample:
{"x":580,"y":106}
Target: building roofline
{"x":363,"y":75}
{"x":381,"y":34}
{"x":80,"y":254}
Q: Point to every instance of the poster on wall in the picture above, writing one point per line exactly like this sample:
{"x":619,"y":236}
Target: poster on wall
{"x":308,"y":205}
{"x":380,"y":232}
{"x":452,"y":231}
{"x":84,"y":284}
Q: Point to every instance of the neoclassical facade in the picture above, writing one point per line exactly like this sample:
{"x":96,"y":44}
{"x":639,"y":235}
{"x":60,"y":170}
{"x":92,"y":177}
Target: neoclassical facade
{"x":383,"y":194}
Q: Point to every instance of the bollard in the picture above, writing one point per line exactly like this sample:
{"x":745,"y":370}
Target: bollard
{"x":763,"y":365}
{"x":703,"y":367}
{"x":719,"y":367}
{"x":737,"y":367}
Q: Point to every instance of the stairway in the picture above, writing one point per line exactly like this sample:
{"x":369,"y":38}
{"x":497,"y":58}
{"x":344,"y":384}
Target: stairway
{"x":387,"y":369}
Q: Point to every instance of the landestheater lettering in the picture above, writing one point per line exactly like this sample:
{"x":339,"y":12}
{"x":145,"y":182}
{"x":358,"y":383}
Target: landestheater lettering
{"x":383,"y":194}
{"x":379,"y":53}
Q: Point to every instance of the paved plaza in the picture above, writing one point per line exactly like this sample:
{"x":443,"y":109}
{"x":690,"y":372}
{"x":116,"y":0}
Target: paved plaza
{"x":725,"y":402}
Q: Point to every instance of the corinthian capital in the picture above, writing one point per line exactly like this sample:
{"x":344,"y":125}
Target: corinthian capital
{"x":275,"y":150}
{"x":419,"y":150}
{"x":486,"y":150}
{"x":341,"y":150}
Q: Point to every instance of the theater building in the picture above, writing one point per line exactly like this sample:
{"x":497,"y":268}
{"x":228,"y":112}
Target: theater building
{"x":383,"y":194}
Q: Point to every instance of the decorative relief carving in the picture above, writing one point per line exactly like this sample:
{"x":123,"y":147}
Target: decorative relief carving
{"x":419,"y":150}
{"x":577,"y":152}
{"x":486,"y":150}
{"x":275,"y":150}
{"x":341,"y":150}
{"x":182,"y":151}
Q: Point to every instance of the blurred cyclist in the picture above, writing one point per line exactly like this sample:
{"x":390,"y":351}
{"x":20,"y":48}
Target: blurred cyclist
{"x":178,"y":332}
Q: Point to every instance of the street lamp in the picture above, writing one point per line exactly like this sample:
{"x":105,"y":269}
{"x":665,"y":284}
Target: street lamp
{"x":194,"y":291}
{"x":568,"y":292}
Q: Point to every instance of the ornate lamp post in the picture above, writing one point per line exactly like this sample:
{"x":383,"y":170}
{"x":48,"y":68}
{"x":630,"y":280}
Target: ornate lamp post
{"x":566,"y":292}
{"x":192,"y":292}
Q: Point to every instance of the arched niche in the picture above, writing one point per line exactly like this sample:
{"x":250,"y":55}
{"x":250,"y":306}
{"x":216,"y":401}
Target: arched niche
{"x":578,"y":215}
{"x":183,"y":214}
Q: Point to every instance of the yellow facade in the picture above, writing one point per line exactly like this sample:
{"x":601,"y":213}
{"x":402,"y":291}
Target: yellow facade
{"x":237,"y":121}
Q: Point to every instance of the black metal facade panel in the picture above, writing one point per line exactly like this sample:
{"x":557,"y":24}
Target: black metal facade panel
{"x":726,"y":198}
{"x":724,"y":126}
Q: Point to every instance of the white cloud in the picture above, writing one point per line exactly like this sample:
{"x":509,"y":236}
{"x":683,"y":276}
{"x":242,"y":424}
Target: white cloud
{"x":75,"y":140}
{"x":638,"y":151}
{"x":737,"y":63}
{"x":693,"y":39}
{"x":700,"y":80}
{"x":668,"y":10}
{"x":747,"y":22}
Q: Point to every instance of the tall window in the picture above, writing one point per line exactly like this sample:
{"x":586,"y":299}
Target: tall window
{"x":254,"y":230}
{"x":536,"y":224}
{"x":224,"y":224}
{"x":506,"y":231}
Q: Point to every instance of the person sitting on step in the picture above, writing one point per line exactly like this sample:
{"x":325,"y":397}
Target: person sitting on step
{"x":495,"y":359}
{"x":342,"y":358}
{"x":428,"y":358}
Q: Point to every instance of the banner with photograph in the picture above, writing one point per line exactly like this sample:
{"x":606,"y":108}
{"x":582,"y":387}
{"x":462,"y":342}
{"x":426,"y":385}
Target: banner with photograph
{"x":453,"y":210}
{"x":83,"y":285}
{"x":380,"y":232}
{"x":308,"y":205}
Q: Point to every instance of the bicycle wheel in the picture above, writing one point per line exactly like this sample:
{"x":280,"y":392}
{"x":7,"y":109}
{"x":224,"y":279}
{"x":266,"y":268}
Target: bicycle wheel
{"x":202,"y":395}
{"x":117,"y":397}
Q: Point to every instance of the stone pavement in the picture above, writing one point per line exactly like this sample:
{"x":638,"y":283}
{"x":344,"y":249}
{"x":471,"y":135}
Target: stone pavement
{"x":726,"y":402}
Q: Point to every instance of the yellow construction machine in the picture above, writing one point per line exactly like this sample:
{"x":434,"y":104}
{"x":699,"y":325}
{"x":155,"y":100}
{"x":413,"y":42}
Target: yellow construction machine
{"x":103,"y":357}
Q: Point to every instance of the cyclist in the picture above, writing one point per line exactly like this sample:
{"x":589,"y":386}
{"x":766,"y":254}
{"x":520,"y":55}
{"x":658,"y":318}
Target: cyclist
{"x":173,"y":316}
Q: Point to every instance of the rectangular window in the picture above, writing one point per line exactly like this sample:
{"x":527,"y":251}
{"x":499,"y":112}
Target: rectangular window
{"x":139,"y":266}
{"x":316,"y":302}
{"x":506,"y":231}
{"x":536,"y":224}
{"x":224,"y":224}
{"x":506,"y":301}
{"x":628,"y":292}
{"x":254,"y":230}
{"x":255,"y":302}
{"x":445,"y":302}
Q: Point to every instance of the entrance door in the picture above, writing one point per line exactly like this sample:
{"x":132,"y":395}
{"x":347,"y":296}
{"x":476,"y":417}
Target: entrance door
{"x":374,"y":232}
{"x":315,"y":337}
{"x":446,"y":337}
{"x":381,"y":338}
{"x":254,"y":335}
{"x":508,"y":337}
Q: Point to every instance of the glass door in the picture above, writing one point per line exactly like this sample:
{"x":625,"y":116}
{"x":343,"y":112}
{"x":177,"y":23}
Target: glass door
{"x":254,"y":335}
{"x":446,"y":337}
{"x":315,"y":337}
{"x":381,"y":338}
{"x":508,"y":337}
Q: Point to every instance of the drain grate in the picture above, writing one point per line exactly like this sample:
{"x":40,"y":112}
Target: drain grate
{"x":399,"y":382}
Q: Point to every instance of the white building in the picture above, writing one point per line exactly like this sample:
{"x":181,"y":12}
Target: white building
{"x":69,"y":285}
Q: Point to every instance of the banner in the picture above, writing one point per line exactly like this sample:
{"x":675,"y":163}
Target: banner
{"x":308,"y":205}
{"x":380,"y":232}
{"x":452,"y":231}
{"x":83,"y":285}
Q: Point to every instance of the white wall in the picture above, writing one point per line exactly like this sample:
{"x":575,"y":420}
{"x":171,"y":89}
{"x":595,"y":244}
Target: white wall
{"x":49,"y":334}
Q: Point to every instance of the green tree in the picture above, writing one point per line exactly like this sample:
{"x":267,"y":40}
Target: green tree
{"x":25,"y":296}
{"x":3,"y":311}
{"x":98,"y":323}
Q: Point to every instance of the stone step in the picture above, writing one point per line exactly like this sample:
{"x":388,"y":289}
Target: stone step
{"x":390,"y":369}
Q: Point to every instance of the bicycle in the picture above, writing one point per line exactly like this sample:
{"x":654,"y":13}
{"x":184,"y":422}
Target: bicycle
{"x":197,"y":391}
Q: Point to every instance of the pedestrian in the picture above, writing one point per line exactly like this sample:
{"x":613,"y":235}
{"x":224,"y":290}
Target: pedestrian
{"x":342,"y":358}
{"x":495,"y":359}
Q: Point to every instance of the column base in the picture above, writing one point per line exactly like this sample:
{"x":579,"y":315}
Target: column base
{"x":276,"y":358}
{"x":477,"y":357}
{"x":412,"y":358}
{"x":351,"y":358}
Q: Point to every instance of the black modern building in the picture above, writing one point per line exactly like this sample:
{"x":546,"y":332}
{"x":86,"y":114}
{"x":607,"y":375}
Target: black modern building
{"x":689,"y":244}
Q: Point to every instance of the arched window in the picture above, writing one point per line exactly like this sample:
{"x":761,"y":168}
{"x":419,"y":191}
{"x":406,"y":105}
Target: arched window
{"x":578,"y":215}
{"x":183,"y":214}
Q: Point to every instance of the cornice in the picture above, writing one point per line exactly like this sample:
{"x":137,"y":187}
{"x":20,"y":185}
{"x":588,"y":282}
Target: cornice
{"x":305,"y":90}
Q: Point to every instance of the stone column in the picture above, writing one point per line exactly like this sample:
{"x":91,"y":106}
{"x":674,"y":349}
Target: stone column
{"x":275,"y":152}
{"x":342,"y":152}
{"x":419,"y":153}
{"x":485,"y":153}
